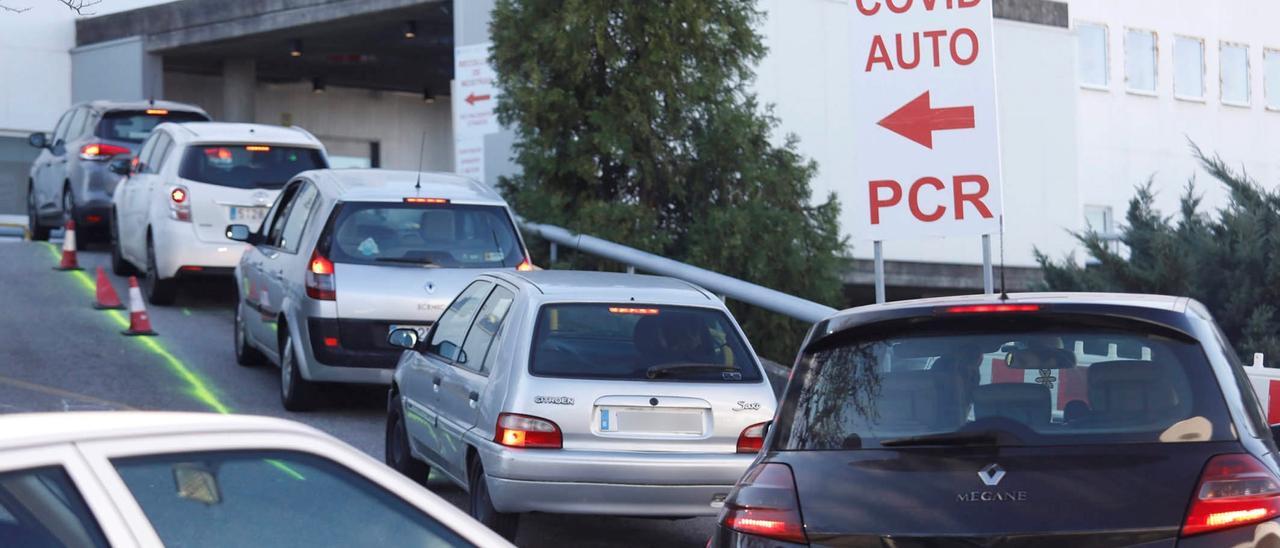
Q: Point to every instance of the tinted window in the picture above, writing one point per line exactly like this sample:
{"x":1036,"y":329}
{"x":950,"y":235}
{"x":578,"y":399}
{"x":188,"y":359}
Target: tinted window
{"x":452,"y":327}
{"x":134,"y":126}
{"x":1023,"y":381}
{"x":443,"y":235}
{"x":76,"y":123}
{"x":148,"y":149}
{"x":295,"y":219}
{"x":279,"y":212}
{"x":638,"y":342}
{"x":42,"y":508}
{"x":272,"y":498}
{"x":155,"y":160}
{"x":480,"y":339}
{"x":247,"y":166}
{"x":60,"y":132}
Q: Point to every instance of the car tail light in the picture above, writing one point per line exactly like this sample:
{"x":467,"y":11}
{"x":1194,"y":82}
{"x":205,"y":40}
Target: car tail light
{"x":752,"y":438}
{"x":98,"y":152}
{"x":765,"y":504}
{"x":525,"y":266}
{"x":527,"y":432}
{"x":179,"y":204}
{"x":433,"y":201}
{"x":157,"y":112}
{"x":320,"y":283}
{"x":1234,"y":490}
{"x":993,"y":308}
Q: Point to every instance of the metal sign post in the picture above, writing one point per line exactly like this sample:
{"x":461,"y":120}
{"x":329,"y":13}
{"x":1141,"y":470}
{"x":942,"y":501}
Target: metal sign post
{"x":988,"y":278}
{"x":879,"y":272}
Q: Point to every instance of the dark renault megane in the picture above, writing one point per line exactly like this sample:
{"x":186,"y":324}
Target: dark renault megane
{"x":1040,"y":420}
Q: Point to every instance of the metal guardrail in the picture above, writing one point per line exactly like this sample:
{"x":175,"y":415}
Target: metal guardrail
{"x":726,"y":286}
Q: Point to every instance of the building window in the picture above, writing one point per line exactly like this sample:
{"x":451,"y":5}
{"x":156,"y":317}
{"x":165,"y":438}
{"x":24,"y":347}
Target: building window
{"x":1188,"y":68}
{"x":1100,"y":220}
{"x":1234,"y":59}
{"x":1140,"y":60}
{"x":1271,"y":77}
{"x":1091,"y":54}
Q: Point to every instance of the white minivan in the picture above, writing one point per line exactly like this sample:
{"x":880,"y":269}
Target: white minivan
{"x":188,"y":182}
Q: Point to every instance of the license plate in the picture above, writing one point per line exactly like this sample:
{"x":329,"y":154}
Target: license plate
{"x":421,"y":329}
{"x":247,"y":214}
{"x":639,"y":420}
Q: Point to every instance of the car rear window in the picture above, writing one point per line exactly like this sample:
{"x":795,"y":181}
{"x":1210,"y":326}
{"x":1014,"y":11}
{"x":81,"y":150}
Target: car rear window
{"x":135,"y":126}
{"x":1018,"y":382}
{"x":441,"y":235}
{"x":247,"y":166}
{"x":639,"y":342}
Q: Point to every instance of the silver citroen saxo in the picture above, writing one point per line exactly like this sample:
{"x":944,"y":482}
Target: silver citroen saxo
{"x":579,"y":393}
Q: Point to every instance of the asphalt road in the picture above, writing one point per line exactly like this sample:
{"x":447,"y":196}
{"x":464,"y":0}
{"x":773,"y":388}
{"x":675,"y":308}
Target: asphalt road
{"x":59,"y":354}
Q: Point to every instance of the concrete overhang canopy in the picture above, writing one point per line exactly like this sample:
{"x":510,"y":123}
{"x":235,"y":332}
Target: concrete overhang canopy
{"x":355,"y":43}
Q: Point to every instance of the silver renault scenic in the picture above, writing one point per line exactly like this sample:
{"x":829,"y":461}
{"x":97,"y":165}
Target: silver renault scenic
{"x":580,"y":393}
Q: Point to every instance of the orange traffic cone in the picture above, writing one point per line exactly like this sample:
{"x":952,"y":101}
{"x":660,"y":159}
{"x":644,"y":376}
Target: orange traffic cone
{"x":139,"y":321}
{"x":106,"y":298}
{"x":69,"y":249}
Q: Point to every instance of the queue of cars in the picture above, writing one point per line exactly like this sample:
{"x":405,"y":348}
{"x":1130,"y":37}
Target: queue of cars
{"x":1022,"y":420}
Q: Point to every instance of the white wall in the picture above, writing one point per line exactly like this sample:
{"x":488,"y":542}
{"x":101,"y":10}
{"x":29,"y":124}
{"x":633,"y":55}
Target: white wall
{"x":35,"y":61}
{"x":396,"y":120}
{"x":807,"y":76}
{"x":1125,"y":138}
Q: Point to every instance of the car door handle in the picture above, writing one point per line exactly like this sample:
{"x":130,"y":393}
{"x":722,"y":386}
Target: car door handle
{"x":435,"y":384}
{"x":279,"y":276}
{"x":474,"y":398}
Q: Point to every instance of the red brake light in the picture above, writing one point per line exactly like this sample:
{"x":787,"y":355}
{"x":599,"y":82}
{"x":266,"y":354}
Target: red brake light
{"x":178,"y":195}
{"x":100,"y":151}
{"x":992,"y":308}
{"x":319,"y":278}
{"x":636,"y":311}
{"x":1234,"y":490}
{"x":426,"y":200}
{"x":752,"y":438}
{"x":525,"y":266}
{"x":526,"y":432}
{"x":765,"y":504}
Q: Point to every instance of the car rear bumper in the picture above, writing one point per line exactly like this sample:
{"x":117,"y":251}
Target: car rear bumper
{"x":177,"y":247}
{"x":610,"y":482}
{"x":325,"y":364}
{"x":618,"y":499}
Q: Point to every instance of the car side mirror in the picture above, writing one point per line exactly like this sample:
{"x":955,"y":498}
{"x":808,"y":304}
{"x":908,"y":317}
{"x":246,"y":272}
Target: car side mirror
{"x":241,"y":233}
{"x":120,"y":166}
{"x":403,"y":338}
{"x":38,"y":140}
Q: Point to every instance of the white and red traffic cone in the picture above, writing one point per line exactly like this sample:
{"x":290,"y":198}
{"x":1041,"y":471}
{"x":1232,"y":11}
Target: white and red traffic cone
{"x":106,"y":298}
{"x":69,"y":249}
{"x":139,"y":321}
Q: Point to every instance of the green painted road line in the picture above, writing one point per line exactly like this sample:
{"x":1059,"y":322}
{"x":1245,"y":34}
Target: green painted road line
{"x":197,"y":386}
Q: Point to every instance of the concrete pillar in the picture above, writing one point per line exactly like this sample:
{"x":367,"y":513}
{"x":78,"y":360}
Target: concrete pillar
{"x":239,"y":90}
{"x":118,"y":70}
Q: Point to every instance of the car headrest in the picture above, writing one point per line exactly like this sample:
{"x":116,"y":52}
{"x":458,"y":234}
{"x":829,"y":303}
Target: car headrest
{"x":1024,"y":402}
{"x":437,"y":225}
{"x":1130,"y":386}
{"x":917,"y":400}
{"x":647,"y":336}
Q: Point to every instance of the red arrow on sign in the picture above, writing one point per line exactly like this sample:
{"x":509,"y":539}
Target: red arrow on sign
{"x":472,"y":99}
{"x":917,"y":120}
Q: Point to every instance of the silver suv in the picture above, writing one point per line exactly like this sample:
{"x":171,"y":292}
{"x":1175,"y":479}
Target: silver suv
{"x":71,"y":178}
{"x":344,"y":257}
{"x":582,"y":393}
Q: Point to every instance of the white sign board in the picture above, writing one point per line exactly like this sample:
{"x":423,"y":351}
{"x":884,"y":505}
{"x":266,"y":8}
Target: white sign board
{"x":468,"y":158}
{"x":927,"y":145}
{"x":474,"y":92}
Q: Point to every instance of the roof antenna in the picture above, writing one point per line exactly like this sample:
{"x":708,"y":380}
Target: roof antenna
{"x":421,"y":152}
{"x":1004,"y":293}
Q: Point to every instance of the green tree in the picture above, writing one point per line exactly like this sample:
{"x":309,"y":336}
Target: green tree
{"x":1229,"y":261}
{"x":636,"y":123}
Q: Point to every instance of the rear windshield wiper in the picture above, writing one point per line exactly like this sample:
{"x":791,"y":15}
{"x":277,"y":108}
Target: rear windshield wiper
{"x":984,"y":437}
{"x":668,"y":369}
{"x":406,"y":260}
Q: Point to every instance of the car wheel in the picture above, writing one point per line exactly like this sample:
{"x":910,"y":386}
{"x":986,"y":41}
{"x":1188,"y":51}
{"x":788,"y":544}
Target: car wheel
{"x":396,"y":451}
{"x":38,"y":232}
{"x":159,"y":292}
{"x":481,"y":507}
{"x":246,"y":354}
{"x":119,"y":266}
{"x":296,"y":393}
